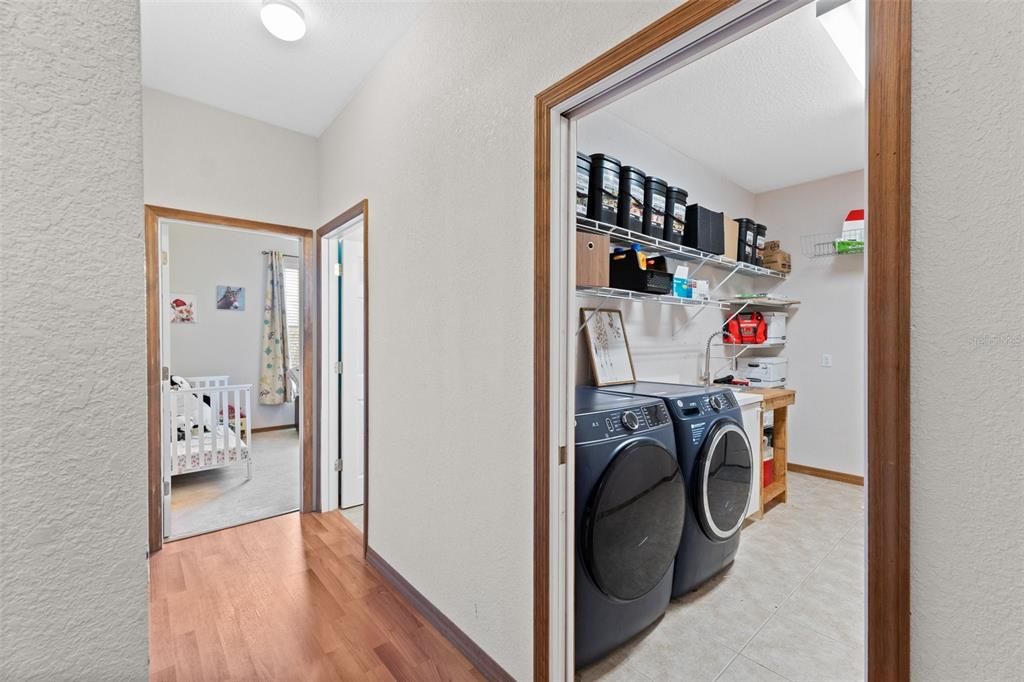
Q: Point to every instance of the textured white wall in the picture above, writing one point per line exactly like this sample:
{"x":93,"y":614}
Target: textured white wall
{"x":224,"y":341}
{"x":967,"y":344}
{"x":827,"y":425}
{"x":199,"y":158}
{"x":440,"y":139}
{"x":72,"y":344}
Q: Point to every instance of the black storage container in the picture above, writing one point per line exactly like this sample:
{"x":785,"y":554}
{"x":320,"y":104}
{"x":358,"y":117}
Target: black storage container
{"x":747,"y":240}
{"x":582,"y":183}
{"x":762,"y":236}
{"x":624,"y":272}
{"x":675,"y":214}
{"x":705,"y":229}
{"x":603,"y":200}
{"x":631,"y":198}
{"x":655,"y":190}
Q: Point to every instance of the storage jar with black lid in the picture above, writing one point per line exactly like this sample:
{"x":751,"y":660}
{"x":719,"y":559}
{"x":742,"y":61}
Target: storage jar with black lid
{"x":675,"y":214}
{"x":582,"y":183}
{"x":761,"y":238}
{"x":631,"y":198}
{"x":655,"y":190}
{"x":603,"y":201}
{"x":747,"y":240}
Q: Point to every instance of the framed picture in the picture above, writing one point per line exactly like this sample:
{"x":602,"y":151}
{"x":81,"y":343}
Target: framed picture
{"x":610,"y":358}
{"x":183,"y":309}
{"x":230,"y":298}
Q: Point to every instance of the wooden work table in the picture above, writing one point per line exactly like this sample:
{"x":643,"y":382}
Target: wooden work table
{"x":778,"y":401}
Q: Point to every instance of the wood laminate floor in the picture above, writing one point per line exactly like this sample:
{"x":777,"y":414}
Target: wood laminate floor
{"x":288,"y":598}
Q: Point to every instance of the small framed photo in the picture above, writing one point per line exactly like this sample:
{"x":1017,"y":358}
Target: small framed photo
{"x":230,"y":298}
{"x":610,"y":358}
{"x":183,"y":309}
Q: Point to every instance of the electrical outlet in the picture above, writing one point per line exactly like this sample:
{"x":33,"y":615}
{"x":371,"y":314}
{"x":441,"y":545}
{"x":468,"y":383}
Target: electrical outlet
{"x":826,"y":360}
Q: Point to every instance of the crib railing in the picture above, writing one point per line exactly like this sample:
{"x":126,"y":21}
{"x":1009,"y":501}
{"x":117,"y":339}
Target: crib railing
{"x":207,"y":426}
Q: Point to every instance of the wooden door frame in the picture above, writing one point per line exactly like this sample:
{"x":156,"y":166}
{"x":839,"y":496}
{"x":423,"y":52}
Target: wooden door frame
{"x":154,"y":214}
{"x":360,"y":209}
{"x":888,"y":319}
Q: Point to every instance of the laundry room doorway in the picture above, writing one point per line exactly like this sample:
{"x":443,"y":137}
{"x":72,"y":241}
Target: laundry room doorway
{"x":342,"y":284}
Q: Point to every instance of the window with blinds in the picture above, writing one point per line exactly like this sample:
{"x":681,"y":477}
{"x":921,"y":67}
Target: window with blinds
{"x":292,"y":309}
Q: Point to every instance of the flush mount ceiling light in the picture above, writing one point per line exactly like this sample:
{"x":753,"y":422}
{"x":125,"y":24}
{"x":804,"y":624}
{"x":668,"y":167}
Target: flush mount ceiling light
{"x":283,"y":19}
{"x":845,"y":22}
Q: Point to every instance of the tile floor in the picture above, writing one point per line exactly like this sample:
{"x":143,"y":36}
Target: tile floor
{"x":791,"y":607}
{"x":218,"y":498}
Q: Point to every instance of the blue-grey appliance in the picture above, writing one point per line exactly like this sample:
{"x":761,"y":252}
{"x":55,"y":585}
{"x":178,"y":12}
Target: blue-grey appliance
{"x":716,"y":460}
{"x":630,"y":500}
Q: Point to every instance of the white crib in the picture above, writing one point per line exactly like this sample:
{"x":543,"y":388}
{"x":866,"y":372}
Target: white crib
{"x":207,"y":425}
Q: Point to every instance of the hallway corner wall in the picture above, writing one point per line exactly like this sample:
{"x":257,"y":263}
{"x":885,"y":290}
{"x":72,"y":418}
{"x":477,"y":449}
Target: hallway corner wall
{"x":73,"y":532}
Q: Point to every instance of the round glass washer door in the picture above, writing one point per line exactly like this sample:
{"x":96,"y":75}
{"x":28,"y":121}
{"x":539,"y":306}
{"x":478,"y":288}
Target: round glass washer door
{"x":723,"y":480}
{"x":633,"y":521}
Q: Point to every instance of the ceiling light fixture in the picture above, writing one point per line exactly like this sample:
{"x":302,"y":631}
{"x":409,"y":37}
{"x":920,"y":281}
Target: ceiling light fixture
{"x":845,"y":22}
{"x":283,"y":19}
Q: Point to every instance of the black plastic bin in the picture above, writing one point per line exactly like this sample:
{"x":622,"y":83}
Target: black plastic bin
{"x":705,"y":229}
{"x":631,"y":198}
{"x":582,"y":183}
{"x":675,"y":214}
{"x":624,"y":272}
{"x":655,"y":190}
{"x":747,"y":240}
{"x":603,"y":199}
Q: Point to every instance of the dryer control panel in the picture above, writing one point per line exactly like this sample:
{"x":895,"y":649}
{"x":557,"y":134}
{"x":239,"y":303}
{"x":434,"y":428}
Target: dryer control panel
{"x":709,"y":403}
{"x":604,"y":425}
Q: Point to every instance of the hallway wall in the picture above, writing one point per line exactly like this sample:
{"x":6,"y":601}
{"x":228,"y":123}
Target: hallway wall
{"x":440,"y":140}
{"x":200,"y":158}
{"x":73,"y":534}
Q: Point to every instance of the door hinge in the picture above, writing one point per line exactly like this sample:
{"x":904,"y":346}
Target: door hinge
{"x":338,"y":465}
{"x":562,"y":452}
{"x":165,"y":373}
{"x":163,"y":258}
{"x":339,"y":367}
{"x":337,"y":269}
{"x":167,"y":487}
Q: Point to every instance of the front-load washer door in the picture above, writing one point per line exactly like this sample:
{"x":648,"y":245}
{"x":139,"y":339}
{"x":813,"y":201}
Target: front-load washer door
{"x":723,"y":479}
{"x":633,"y":520}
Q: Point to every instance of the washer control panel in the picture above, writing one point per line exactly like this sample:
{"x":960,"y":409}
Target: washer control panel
{"x":598,"y":426}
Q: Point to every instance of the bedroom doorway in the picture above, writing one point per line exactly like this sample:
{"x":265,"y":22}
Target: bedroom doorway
{"x":342,"y":282}
{"x":228,"y":325}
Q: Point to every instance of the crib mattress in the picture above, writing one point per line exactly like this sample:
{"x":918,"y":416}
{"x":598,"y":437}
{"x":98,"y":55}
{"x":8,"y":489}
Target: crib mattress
{"x":203,"y":455}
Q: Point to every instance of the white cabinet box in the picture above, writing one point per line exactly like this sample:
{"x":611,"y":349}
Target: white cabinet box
{"x":764,"y":372}
{"x":750,"y":408}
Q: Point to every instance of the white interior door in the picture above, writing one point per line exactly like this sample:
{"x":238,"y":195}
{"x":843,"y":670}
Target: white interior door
{"x":165,"y":362}
{"x":353,"y":400}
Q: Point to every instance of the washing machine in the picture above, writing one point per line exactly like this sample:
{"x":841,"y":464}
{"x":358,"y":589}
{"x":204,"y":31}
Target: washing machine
{"x":717,"y":463}
{"x":630,"y":502}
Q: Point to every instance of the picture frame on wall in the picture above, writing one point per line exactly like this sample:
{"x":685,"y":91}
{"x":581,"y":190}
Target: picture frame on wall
{"x":610,"y":359}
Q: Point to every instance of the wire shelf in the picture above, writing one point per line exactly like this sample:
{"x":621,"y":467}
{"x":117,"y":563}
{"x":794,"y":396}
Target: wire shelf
{"x":624,"y":237}
{"x":831,"y":244}
{"x":627,"y":295}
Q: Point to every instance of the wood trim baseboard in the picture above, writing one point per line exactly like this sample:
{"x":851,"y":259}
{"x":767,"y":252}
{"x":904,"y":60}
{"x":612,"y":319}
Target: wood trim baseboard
{"x":852,"y":479}
{"x":279,"y":427}
{"x":361,"y":208}
{"x":486,"y":665}
{"x":153,"y":215}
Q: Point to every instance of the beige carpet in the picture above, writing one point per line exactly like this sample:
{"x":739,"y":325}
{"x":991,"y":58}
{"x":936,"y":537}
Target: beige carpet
{"x":209,"y":500}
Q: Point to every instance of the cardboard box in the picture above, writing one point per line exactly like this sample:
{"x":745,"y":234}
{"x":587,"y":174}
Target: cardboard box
{"x":779,"y":261}
{"x":592,"y":259}
{"x":732,"y":238}
{"x":772,"y":245}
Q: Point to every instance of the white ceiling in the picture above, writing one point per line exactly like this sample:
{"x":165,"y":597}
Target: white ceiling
{"x":218,"y":53}
{"x":776,"y":108}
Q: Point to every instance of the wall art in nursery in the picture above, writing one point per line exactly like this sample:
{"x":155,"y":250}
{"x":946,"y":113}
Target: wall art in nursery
{"x":230,"y":298}
{"x":183,"y":309}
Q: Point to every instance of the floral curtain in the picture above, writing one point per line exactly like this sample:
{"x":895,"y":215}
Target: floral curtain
{"x":275,"y":388}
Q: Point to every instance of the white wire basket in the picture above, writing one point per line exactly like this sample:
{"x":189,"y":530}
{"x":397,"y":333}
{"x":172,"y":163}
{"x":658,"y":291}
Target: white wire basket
{"x":848,"y":242}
